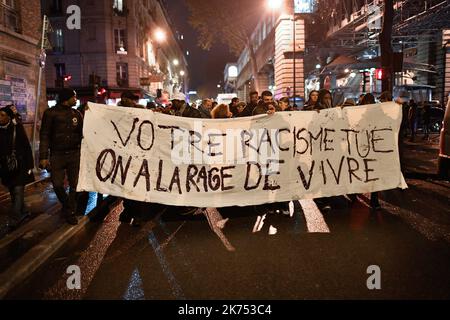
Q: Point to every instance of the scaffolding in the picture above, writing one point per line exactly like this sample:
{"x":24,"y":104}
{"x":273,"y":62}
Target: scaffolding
{"x":356,"y":27}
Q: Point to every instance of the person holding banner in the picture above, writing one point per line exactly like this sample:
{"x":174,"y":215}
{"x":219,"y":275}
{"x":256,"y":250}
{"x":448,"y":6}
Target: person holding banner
{"x":324,"y":101}
{"x":312,"y":100}
{"x":374,"y":202}
{"x":61,"y":134}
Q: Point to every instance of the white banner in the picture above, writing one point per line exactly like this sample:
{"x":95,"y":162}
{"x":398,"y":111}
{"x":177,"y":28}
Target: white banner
{"x":141,"y":155}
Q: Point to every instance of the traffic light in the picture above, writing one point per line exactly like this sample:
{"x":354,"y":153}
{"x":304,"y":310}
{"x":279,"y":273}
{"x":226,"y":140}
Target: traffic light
{"x":102,"y":91}
{"x":67,"y":77}
{"x":379,"y":74}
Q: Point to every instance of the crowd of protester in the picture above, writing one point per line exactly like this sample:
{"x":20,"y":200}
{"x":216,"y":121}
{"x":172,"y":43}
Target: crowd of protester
{"x":61,"y":136}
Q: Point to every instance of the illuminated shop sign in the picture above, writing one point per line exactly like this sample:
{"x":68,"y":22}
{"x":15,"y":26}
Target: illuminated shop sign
{"x":304,"y":6}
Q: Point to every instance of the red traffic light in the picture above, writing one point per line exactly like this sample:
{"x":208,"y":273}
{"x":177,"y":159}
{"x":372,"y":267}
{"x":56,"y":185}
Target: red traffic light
{"x":379,"y":74}
{"x":67,"y":77}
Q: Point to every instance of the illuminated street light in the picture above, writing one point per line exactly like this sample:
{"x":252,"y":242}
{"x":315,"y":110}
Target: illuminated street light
{"x":160,"y":35}
{"x":274,"y":4}
{"x":318,"y":66}
{"x":176,"y":62}
{"x":182,"y":73}
{"x":218,"y":86}
{"x":346,"y":70}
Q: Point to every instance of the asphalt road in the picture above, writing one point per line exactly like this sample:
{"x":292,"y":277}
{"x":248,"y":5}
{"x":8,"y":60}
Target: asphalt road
{"x":313,"y":255}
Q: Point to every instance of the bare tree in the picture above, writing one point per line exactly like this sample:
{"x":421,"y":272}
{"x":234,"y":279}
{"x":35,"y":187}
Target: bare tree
{"x":230,"y":22}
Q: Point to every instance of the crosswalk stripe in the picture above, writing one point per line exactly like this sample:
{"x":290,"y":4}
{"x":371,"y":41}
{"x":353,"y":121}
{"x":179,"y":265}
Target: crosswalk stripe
{"x":315,"y":221}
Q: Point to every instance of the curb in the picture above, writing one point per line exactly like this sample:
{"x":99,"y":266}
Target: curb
{"x":39,"y":254}
{"x":35,"y":257}
{"x":28,"y":226}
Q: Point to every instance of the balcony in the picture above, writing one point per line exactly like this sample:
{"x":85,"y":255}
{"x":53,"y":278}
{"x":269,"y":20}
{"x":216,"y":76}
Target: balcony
{"x":10,"y":18}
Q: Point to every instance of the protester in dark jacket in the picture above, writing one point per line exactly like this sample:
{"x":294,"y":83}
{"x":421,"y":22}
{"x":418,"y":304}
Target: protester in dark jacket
{"x":14,"y":144}
{"x":265,"y":108}
{"x":61,"y":134}
{"x":205,"y":108}
{"x":248,"y":110}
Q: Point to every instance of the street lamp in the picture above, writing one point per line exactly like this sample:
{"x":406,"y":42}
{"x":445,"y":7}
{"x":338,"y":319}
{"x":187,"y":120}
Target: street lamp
{"x":160,"y":35}
{"x":182,"y":73}
{"x":176,"y":62}
{"x":274,"y":4}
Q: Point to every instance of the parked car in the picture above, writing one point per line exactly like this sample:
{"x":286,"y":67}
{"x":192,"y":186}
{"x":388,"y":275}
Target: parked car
{"x":444,"y":145}
{"x":436,"y":118}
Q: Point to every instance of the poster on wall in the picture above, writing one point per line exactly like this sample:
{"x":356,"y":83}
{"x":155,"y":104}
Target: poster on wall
{"x":5,"y":93}
{"x":19,"y":94}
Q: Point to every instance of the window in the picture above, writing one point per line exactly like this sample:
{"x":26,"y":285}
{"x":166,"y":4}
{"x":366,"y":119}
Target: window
{"x":9,"y":3}
{"x":59,"y":41}
{"x":120,"y":40}
{"x":118,"y":5}
{"x":57,"y":5}
{"x":60,"y":70}
{"x":9,"y":16}
{"x":122,"y":74}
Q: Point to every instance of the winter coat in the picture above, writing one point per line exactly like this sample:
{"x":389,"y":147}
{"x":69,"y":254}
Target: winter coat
{"x":61,"y":131}
{"x":23,"y":154}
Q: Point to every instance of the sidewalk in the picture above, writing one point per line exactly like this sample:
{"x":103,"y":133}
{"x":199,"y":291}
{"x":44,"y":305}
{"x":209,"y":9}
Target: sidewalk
{"x":38,"y":198}
{"x":25,"y":249}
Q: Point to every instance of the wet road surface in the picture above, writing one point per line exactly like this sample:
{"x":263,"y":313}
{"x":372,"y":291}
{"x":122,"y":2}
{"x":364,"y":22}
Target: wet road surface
{"x":314,"y":254}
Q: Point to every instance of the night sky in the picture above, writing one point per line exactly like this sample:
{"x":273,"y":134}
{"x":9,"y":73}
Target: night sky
{"x":205,"y":67}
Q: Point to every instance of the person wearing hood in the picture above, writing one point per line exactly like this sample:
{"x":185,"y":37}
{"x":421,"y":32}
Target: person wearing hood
{"x":16,"y":163}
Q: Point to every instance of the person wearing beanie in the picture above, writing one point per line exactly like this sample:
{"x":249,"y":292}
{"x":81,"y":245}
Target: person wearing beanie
{"x":16,"y":163}
{"x":60,"y":143}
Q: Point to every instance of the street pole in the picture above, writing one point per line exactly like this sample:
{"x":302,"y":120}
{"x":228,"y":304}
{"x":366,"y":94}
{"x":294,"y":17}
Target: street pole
{"x":42,"y":59}
{"x":295,"y":58}
{"x":386,"y":46}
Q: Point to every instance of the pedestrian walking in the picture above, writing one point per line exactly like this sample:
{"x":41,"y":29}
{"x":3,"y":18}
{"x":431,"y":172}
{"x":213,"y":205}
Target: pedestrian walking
{"x":60,"y":143}
{"x":16,"y":163}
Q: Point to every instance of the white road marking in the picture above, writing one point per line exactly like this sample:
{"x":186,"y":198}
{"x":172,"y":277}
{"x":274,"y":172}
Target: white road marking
{"x":314,"y":218}
{"x":214,"y":217}
{"x":273,"y":230}
{"x":259,"y":223}
{"x":291,"y":209}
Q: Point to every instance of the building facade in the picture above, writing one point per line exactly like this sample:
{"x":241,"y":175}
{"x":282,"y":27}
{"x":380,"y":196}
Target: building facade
{"x":19,"y":52}
{"x":279,"y":45}
{"x":121,"y":45}
{"x":350,"y":55}
{"x":336,"y":46}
